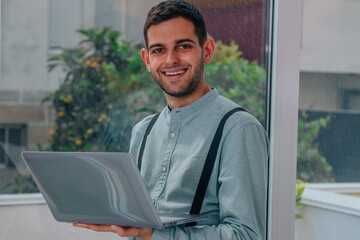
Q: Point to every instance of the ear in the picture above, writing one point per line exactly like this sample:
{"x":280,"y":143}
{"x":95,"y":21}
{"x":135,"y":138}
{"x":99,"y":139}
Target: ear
{"x":208,"y":48}
{"x":145,"y":57}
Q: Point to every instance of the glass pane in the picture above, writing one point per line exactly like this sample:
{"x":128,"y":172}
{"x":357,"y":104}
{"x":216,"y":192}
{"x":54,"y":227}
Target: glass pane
{"x":72,"y":77}
{"x":243,"y":38}
{"x":329,"y":135}
{"x":68,"y":106}
{"x":2,"y":151}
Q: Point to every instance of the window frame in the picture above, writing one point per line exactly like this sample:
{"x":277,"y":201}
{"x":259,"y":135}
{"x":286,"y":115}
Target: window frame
{"x":285,"y":35}
{"x":0,"y":40}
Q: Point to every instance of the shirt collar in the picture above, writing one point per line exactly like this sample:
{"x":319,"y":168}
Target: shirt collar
{"x":198,"y":104}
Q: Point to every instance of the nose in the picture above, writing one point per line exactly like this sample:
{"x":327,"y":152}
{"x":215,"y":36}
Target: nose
{"x":172,"y":58}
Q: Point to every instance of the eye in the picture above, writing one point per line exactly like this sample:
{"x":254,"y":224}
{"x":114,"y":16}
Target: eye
{"x":184,"y":46}
{"x":157,"y":50}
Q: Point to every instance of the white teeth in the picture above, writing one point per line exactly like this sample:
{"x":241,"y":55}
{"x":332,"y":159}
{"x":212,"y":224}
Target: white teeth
{"x":174,"y":73}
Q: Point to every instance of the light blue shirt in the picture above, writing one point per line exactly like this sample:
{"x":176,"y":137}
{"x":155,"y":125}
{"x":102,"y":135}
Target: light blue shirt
{"x":174,"y":156}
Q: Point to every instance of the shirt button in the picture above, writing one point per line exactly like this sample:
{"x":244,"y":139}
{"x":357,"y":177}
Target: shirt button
{"x":153,"y":201}
{"x":164,"y":169}
{"x":172,"y":135}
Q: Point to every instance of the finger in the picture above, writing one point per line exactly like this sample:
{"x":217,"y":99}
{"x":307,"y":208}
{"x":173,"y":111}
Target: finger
{"x":126,"y":231}
{"x":119,"y":230}
{"x":95,"y":227}
{"x":132,"y":231}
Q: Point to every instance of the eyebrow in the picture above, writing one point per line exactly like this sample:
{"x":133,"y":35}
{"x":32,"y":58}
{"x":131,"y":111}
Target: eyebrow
{"x":185,"y":40}
{"x":155,"y":45}
{"x":177,"y":42}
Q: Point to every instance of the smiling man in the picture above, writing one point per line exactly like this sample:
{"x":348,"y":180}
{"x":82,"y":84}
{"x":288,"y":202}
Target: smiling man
{"x":176,"y":60}
{"x":181,"y":139}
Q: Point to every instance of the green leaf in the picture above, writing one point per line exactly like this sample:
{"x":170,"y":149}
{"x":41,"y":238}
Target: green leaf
{"x":87,"y":147}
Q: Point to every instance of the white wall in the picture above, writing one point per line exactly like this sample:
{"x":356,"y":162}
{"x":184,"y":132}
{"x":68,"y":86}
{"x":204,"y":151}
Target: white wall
{"x":30,"y":28}
{"x":330,"y":36}
{"x":127,"y":16}
{"x":330,"y":53}
{"x":329,"y":213}
{"x":24,"y":45}
{"x":320,"y":91}
{"x":34,"y":222}
{"x":325,"y":91}
{"x":319,"y":223}
{"x":65,"y":17}
{"x":137,"y":13}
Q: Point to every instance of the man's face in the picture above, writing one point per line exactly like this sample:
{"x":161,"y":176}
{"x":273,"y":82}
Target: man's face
{"x":174,"y":57}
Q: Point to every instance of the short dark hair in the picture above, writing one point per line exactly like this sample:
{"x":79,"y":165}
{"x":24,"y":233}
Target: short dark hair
{"x":172,"y":9}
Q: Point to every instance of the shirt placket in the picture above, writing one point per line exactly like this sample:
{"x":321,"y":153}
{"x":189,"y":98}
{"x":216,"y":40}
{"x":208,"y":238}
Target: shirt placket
{"x":172,"y":137}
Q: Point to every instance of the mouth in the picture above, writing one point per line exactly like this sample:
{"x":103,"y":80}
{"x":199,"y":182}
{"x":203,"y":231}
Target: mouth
{"x":174,"y":72}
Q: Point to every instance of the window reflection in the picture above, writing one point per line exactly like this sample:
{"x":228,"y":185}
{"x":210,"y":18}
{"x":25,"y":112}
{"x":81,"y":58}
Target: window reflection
{"x":97,"y":90}
{"x":73,"y":79}
{"x":244,"y":22}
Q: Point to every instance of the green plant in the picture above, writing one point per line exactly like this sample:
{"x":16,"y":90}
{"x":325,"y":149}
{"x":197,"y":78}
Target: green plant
{"x":22,"y":184}
{"x":300,"y":187}
{"x":98,"y":72}
{"x":311,"y":165}
{"x":236,"y":78}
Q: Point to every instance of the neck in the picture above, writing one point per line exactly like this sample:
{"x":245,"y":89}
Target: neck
{"x":178,"y":102}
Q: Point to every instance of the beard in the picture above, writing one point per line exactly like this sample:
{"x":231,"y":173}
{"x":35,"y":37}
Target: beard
{"x":190,"y":83}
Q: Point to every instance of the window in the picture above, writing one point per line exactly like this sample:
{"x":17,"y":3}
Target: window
{"x":329,"y":136}
{"x":12,"y":142}
{"x":352,"y":99}
{"x":54,"y":117}
{"x":11,"y":137}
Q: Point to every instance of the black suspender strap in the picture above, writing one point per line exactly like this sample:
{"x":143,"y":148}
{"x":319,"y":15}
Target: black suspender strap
{"x":142,"y":147}
{"x":208,"y":166}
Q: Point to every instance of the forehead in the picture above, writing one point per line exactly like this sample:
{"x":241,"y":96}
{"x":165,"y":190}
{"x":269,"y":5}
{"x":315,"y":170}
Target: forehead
{"x":171,"y":30}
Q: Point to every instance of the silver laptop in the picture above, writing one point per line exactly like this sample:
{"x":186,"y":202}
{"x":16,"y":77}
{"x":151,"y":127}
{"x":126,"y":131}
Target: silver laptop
{"x":97,"y":188}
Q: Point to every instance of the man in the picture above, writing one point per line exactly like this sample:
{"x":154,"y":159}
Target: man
{"x":176,"y":49}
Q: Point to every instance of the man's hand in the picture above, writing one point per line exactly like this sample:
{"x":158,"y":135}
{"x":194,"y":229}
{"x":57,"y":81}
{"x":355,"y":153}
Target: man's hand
{"x":138,"y":232}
